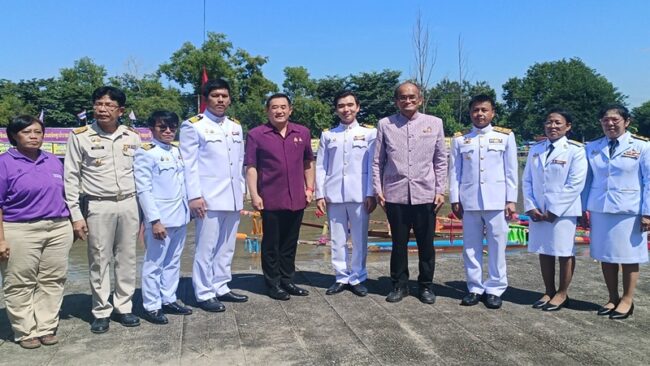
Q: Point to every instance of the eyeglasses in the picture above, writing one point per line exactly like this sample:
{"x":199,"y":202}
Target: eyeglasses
{"x":406,"y":98}
{"x":613,"y":120}
{"x":107,"y":106}
{"x":165,"y":127}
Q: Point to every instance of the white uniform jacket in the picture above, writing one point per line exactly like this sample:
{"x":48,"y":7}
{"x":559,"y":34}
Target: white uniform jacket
{"x":344,"y":163}
{"x":213,"y":152}
{"x":160,"y":183}
{"x":554,"y":182}
{"x":483,"y":169}
{"x":619,"y":184}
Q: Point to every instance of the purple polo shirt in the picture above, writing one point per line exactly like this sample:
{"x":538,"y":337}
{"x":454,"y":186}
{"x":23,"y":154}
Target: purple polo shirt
{"x":31,"y":190}
{"x":280,"y":164}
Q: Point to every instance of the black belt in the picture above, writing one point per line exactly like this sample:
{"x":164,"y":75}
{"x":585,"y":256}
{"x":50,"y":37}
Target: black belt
{"x":119,"y":197}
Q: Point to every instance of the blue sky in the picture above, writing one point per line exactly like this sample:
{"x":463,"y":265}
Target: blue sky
{"x":501,"y":38}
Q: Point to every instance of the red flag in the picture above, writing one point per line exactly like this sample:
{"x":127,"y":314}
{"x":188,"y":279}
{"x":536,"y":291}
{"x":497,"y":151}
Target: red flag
{"x":204,"y":79}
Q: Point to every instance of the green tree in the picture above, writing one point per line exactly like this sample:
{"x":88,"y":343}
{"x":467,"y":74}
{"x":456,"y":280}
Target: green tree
{"x":243,"y":71}
{"x":568,"y":84}
{"x":297,"y":82}
{"x":449,"y":100}
{"x":375,"y":91}
{"x":147,"y":94}
{"x":308,"y":109}
{"x":641,"y":118}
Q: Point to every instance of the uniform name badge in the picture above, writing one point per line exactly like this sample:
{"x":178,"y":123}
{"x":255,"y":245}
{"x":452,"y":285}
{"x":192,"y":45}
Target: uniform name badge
{"x":427,"y":130}
{"x":360,"y":138}
{"x":495,"y":141}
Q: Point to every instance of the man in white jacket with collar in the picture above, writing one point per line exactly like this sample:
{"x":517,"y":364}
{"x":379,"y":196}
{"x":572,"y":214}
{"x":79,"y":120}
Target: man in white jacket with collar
{"x":344,"y":190}
{"x":212,"y":148}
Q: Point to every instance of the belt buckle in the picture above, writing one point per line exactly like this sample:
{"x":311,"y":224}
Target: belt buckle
{"x":120,"y":197}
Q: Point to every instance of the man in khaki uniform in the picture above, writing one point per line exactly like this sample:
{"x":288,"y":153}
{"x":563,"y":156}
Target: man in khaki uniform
{"x":100,"y":192}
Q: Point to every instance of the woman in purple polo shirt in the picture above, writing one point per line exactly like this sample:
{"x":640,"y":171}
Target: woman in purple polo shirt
{"x":35,"y":234}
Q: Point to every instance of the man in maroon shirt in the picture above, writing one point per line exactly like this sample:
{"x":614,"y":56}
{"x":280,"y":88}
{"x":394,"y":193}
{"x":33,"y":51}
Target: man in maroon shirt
{"x":280,"y":176}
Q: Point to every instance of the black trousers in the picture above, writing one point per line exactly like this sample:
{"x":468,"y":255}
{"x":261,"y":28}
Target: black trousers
{"x":422,"y":219}
{"x":281,"y":230}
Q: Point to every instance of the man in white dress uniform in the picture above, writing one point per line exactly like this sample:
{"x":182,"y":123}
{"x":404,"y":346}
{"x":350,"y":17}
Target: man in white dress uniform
{"x":212,"y":147}
{"x":344,"y":190}
{"x":483,"y":191}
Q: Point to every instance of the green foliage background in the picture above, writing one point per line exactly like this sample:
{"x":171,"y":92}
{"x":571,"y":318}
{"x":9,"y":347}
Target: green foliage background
{"x":569,"y":84}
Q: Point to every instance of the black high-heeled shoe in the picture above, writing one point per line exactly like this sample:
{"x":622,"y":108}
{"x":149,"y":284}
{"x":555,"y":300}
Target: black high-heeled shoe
{"x":620,"y":316}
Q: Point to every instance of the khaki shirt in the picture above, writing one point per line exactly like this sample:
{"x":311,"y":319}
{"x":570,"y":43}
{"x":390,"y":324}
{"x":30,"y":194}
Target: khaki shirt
{"x":99,"y":164}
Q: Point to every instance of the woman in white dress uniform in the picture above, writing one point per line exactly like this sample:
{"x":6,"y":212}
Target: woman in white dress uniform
{"x":553,"y":180}
{"x":617,"y":196}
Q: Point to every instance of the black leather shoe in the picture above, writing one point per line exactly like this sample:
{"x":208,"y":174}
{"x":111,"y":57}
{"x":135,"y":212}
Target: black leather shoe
{"x":275,"y":292}
{"x":176,"y":308}
{"x":294,"y":290}
{"x":492,"y":301}
{"x":100,"y":325}
{"x":539,"y":304}
{"x":359,"y":290}
{"x":471,"y":299}
{"x":336,"y":288}
{"x":620,"y":316}
{"x":156,"y":317}
{"x":397,"y":294}
{"x":427,"y":296}
{"x":233,"y":297}
{"x":127,"y":319}
{"x":212,"y":305}
{"x":551,"y":307}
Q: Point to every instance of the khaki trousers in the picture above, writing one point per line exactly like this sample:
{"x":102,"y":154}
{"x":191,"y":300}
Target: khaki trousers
{"x":112,"y":234}
{"x":34,"y":275}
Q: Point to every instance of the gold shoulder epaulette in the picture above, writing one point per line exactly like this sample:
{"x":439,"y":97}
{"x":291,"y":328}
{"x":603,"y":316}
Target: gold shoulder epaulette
{"x":458,"y":134}
{"x":196,"y":118}
{"x":503,"y":130}
{"x":325,"y":129}
{"x":576,"y":143}
{"x":148,"y":146}
{"x":79,"y":130}
{"x":235,"y":120}
{"x":367,"y":125}
{"x":642,"y":138}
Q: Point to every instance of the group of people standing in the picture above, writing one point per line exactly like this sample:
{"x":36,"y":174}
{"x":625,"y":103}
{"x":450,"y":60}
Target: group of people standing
{"x":111,"y":182}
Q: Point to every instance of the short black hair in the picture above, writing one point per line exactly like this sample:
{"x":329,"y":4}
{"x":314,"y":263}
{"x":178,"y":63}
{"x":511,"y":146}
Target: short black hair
{"x":276,"y":96}
{"x":167,"y":117}
{"x":482,"y":98}
{"x":213,"y":84}
{"x":112,"y":92}
{"x":619,"y":108}
{"x":562,"y":112}
{"x":343,"y":94}
{"x":20,"y":123}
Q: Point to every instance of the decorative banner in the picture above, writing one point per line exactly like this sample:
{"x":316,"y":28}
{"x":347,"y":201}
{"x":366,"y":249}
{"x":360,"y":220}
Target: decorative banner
{"x":56,"y":138}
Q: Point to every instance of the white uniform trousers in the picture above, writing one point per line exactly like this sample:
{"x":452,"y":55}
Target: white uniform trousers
{"x":215,"y":246}
{"x":497,"y":235}
{"x":349,"y":269}
{"x":161,"y":267}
